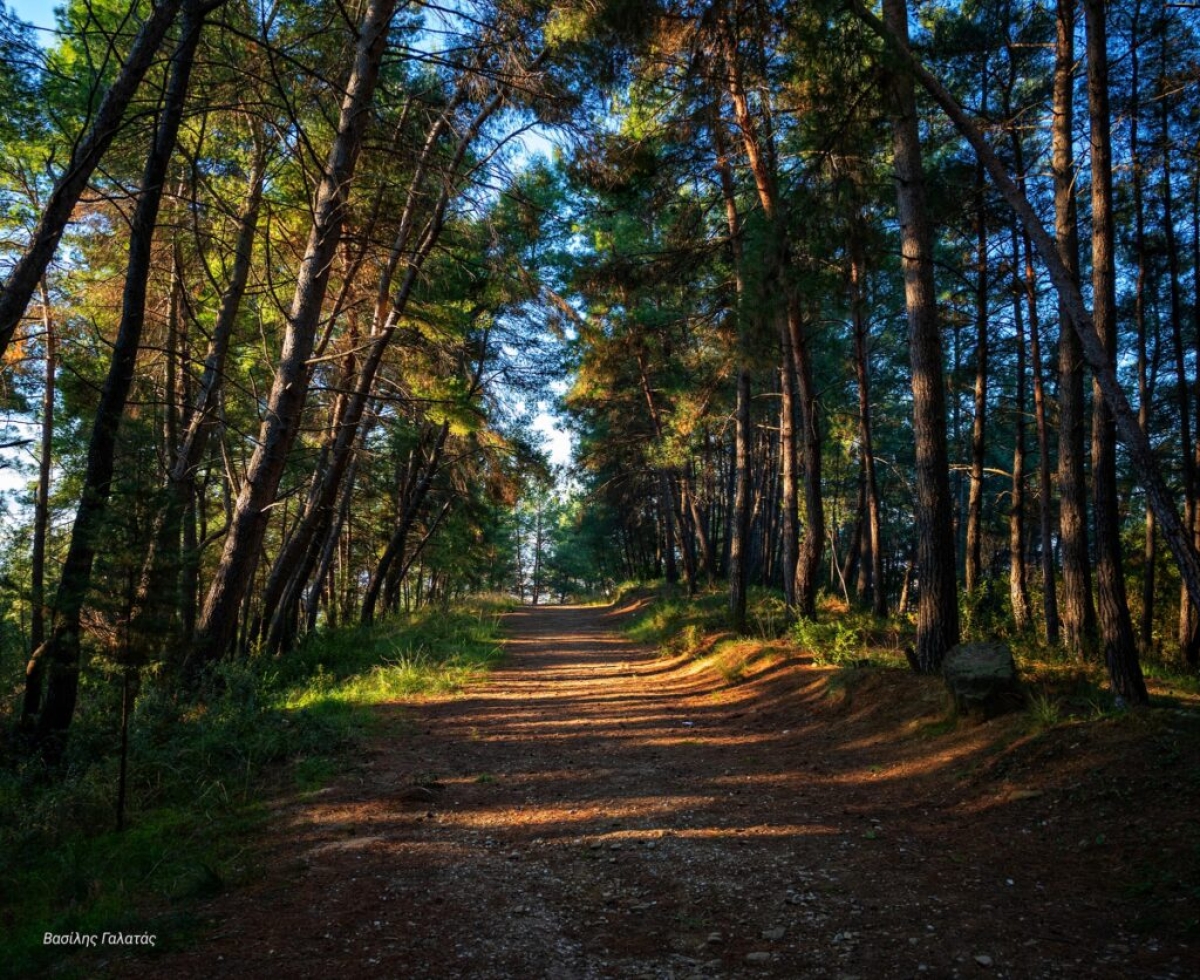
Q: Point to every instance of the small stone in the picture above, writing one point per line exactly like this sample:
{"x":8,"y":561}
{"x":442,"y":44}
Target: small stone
{"x":650,"y":845}
{"x":984,"y":960}
{"x":774,"y":934}
{"x":714,"y":939}
{"x":758,"y":957}
{"x":595,"y":845}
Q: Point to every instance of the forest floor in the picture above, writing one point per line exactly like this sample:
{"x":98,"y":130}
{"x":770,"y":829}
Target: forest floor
{"x":596,"y":810}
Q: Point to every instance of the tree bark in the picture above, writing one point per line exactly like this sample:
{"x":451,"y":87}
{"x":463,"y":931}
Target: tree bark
{"x":1140,"y":452}
{"x":1112,"y":608}
{"x":63,"y":648}
{"x":165,"y":534}
{"x":412,"y":504}
{"x":1045,"y":486}
{"x":1191,"y":640}
{"x":1078,"y":609}
{"x":862,"y":370}
{"x":800,"y":560}
{"x":1149,"y":556}
{"x":41,"y":522}
{"x":808,"y":561}
{"x":1018,"y":587}
{"x":739,"y":525}
{"x":974,"y":550}
{"x":216,"y":628}
{"x":937,"y":615}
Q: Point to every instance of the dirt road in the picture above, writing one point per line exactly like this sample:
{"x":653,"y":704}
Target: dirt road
{"x":594,"y":811}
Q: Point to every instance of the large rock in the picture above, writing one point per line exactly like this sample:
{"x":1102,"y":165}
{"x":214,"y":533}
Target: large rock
{"x":982,"y":679}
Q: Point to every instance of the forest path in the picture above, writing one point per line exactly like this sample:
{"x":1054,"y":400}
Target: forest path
{"x":594,"y":810}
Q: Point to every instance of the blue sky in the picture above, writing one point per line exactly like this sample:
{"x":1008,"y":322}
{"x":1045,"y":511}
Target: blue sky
{"x":37,"y":12}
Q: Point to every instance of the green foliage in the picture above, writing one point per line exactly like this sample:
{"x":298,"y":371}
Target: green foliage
{"x":836,"y":643}
{"x":199,"y":773}
{"x":677,"y":624}
{"x":1044,"y":710}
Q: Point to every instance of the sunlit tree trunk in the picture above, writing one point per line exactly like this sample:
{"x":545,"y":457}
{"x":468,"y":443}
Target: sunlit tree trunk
{"x":41,"y":521}
{"x":63,"y":647}
{"x":85,"y":156}
{"x":174,"y":519}
{"x":229,"y":586}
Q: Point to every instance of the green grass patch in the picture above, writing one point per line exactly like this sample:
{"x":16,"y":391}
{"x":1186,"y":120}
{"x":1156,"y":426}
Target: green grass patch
{"x":199,"y":774}
{"x":678,"y":623}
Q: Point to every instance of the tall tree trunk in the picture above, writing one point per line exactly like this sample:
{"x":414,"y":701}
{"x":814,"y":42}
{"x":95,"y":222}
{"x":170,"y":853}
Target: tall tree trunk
{"x":1018,"y":588}
{"x":85,"y":156}
{"x":808,"y":561}
{"x":329,"y":550}
{"x":1189,"y":621}
{"x":1141,"y":454}
{"x":191,"y":447}
{"x":800,"y":564}
{"x":228,"y":589}
{"x":862,"y":370}
{"x":1190,"y":628}
{"x":1116,"y":627}
{"x":974,"y":549}
{"x":298,"y":556}
{"x":739,"y":538}
{"x":411,"y":506}
{"x":789,"y":516}
{"x":1026,"y":287}
{"x":1078,"y":610}
{"x":937,"y":616}
{"x":41,"y":522}
{"x":1149,"y":557}
{"x":703,"y":544}
{"x":1045,"y":486}
{"x":63,"y":648}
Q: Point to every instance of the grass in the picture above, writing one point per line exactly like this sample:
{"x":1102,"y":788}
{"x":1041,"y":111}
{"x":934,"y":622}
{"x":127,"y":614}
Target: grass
{"x":677,"y":623}
{"x":850,"y":640}
{"x":199,"y":778}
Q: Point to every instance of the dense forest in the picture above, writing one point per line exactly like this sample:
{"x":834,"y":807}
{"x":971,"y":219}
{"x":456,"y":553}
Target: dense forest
{"x":869,"y":332}
{"x":902,"y":310}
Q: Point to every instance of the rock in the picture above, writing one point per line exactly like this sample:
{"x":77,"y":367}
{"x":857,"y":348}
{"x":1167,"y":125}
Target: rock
{"x":774,"y":934}
{"x":984,"y":960}
{"x":981,"y":679}
{"x":759,"y":957}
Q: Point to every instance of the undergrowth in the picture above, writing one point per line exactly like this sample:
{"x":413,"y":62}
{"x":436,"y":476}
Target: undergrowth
{"x":1062,"y":687}
{"x":198,"y":778}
